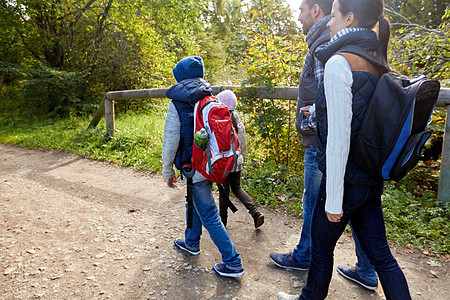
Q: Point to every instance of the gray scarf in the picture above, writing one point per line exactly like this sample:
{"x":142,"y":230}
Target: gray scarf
{"x":316,"y":30}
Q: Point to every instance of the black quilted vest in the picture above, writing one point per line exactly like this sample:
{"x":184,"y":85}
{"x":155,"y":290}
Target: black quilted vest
{"x":308,"y":86}
{"x":362,"y":89}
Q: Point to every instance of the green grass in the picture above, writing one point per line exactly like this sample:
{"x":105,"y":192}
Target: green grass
{"x":420,"y":222}
{"x":137,"y":142}
{"x":273,"y":185}
{"x":413,"y":216}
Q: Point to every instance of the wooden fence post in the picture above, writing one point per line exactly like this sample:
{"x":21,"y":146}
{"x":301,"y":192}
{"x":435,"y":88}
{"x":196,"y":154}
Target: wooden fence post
{"x":98,"y":114}
{"x":109,"y":116}
{"x":444,"y":178}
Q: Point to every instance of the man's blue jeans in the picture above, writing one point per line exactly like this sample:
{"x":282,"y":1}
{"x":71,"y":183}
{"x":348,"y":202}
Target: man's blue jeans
{"x":363,"y":265}
{"x":206,"y":214}
{"x":312,"y":178}
{"x":361,"y":206}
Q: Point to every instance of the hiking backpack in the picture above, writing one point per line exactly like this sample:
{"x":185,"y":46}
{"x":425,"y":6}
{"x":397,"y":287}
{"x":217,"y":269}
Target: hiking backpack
{"x":393,"y":131}
{"x":221,"y":153}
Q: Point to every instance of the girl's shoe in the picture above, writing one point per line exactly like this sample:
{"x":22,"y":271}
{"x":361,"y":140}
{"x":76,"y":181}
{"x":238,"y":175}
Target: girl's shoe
{"x":224,"y":219}
{"x":258,"y":218}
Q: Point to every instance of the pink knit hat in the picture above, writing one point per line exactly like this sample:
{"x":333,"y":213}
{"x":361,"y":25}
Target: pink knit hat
{"x":228,"y":98}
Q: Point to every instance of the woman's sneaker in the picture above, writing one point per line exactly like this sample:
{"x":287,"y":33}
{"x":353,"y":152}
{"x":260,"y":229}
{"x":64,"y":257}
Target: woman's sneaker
{"x":223,"y":270}
{"x":284,"y":296}
{"x":181,"y":244}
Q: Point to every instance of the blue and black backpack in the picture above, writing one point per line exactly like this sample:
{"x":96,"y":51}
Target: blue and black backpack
{"x":393,"y":132}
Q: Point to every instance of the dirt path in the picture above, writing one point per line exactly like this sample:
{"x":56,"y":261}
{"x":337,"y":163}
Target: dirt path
{"x":72,"y":228}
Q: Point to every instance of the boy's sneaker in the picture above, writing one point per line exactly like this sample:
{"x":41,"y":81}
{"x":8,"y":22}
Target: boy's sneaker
{"x":287,"y":261}
{"x":223,"y":270}
{"x":353,"y":275}
{"x":181,"y":244}
{"x":284,"y":296}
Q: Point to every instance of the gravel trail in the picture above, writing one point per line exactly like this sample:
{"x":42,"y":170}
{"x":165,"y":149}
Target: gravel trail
{"x":72,"y":228}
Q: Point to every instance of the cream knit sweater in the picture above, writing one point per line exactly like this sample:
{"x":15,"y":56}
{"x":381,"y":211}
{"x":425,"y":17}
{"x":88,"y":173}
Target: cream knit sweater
{"x":338,"y":80}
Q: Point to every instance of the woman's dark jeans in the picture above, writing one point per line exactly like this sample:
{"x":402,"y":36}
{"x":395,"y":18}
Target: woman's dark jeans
{"x":361,"y":206}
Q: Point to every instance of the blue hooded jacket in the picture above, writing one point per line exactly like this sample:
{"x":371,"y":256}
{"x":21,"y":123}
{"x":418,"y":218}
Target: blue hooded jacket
{"x":185,"y":95}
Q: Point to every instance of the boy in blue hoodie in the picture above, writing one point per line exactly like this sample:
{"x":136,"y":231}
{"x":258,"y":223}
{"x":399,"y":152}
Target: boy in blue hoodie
{"x":177,"y":150}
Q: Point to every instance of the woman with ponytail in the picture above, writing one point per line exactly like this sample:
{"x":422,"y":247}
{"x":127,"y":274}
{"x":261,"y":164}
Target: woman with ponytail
{"x":354,"y":60}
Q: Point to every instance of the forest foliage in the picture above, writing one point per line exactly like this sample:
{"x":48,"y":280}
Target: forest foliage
{"x":59,"y":57}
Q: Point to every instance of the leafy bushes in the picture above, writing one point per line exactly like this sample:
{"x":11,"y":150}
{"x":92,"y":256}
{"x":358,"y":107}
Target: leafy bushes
{"x":420,"y":222}
{"x":59,"y":60}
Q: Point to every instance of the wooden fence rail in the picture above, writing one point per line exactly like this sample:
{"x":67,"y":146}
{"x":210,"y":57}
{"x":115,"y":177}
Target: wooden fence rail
{"x":106,"y":108}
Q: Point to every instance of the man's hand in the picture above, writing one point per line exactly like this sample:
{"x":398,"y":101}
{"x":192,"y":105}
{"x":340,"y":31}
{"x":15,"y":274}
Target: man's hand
{"x":171,"y":181}
{"x":305,"y":111}
{"x":335,"y":218}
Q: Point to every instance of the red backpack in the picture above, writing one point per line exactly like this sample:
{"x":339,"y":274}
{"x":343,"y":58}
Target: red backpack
{"x":220,"y":155}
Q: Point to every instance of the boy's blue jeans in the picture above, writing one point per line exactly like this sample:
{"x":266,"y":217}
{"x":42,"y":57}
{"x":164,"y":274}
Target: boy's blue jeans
{"x":362,"y":205}
{"x":206,"y":214}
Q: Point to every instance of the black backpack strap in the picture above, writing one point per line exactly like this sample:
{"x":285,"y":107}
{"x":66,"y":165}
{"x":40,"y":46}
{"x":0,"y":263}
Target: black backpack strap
{"x":233,"y":147}
{"x":234,"y":121}
{"x":190,"y":208}
{"x":366,"y":55}
{"x":233,"y":132}
{"x":188,"y":172}
{"x":226,"y":198}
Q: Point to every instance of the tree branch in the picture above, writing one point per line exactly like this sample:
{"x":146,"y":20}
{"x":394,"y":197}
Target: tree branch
{"x":99,"y":34}
{"x":81,"y":12}
{"x":411,"y":24}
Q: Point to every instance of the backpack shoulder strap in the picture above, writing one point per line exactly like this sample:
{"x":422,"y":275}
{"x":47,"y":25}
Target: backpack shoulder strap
{"x":205,"y":101}
{"x":234,"y":121}
{"x":358,"y":63}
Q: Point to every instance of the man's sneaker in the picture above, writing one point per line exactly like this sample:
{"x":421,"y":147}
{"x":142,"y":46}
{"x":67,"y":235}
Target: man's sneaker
{"x":181,"y":244}
{"x":223,"y":270}
{"x":287,"y":261}
{"x":284,"y":296}
{"x":352,"y":274}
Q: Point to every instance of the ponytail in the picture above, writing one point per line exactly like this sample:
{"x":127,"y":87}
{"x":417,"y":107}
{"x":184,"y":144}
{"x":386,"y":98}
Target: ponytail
{"x":384,"y":33}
